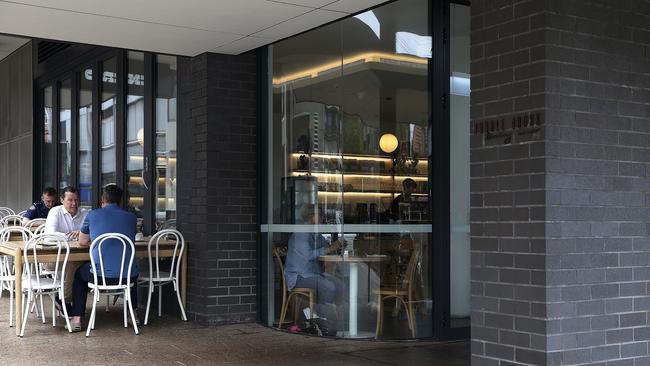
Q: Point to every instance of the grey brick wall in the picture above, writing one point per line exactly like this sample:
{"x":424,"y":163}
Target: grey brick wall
{"x":218,"y":185}
{"x":560,"y":248}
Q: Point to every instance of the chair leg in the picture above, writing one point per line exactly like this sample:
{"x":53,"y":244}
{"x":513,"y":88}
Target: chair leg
{"x":414,"y":329}
{"x":180,"y":302}
{"x":159,"y":301}
{"x":146,"y":313}
{"x":25,"y":313}
{"x":91,"y":321}
{"x":311,"y":305}
{"x":126,"y":325}
{"x":40,"y":297}
{"x":65,"y":310}
{"x":296,"y":306}
{"x":283,"y":312}
{"x":380,"y":314}
{"x":54,"y":309}
{"x":127,"y":298}
{"x":408,"y":315}
{"x":108,"y":301}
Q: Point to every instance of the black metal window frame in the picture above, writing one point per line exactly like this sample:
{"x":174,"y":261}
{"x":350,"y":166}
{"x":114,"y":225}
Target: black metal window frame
{"x":59,"y":68}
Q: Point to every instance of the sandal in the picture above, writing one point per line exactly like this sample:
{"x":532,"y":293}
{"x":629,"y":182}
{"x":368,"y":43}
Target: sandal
{"x":76,"y":327}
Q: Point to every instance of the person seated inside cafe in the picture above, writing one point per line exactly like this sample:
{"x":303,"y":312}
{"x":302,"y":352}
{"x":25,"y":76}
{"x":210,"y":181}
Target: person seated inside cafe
{"x":110,"y":218}
{"x":40,"y":209}
{"x":66,"y":219}
{"x":406,"y":207}
{"x":303,"y":269}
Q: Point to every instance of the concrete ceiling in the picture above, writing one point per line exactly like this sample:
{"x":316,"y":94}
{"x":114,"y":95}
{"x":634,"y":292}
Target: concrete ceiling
{"x":182,"y":27}
{"x":9,"y":44}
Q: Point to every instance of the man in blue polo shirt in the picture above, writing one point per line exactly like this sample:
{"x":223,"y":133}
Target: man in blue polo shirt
{"x":40,"y":209}
{"x":111,"y":218}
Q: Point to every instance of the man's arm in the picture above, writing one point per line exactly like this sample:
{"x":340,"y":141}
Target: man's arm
{"x":84,"y":233}
{"x":51,"y":223}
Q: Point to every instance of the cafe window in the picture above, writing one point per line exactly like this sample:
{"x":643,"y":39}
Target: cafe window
{"x":48,"y":156}
{"x":135,"y":135}
{"x":85,"y":131}
{"x":348,"y":139}
{"x":65,"y":133}
{"x":107,"y":156}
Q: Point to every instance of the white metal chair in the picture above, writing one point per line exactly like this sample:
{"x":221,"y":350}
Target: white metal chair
{"x":52,"y":284}
{"x":22,"y":213}
{"x":124,"y":283}
{"x":35,"y":224}
{"x":167,"y":224}
{"x":12,"y":220}
{"x":7,"y":277}
{"x":156,"y":277}
{"x":39,"y":230}
{"x":5,"y":211}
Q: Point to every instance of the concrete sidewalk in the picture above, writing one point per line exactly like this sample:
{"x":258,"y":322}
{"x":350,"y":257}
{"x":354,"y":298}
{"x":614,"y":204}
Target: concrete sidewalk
{"x":169,"y":341}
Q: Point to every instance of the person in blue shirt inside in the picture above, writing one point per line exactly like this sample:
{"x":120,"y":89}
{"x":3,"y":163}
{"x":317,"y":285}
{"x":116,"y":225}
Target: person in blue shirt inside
{"x":110,"y":218}
{"x":40,"y":209}
{"x":302,"y":268}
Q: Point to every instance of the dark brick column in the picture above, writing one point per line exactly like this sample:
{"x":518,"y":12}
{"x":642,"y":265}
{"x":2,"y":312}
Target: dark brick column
{"x":218,"y":185}
{"x":560,"y":215}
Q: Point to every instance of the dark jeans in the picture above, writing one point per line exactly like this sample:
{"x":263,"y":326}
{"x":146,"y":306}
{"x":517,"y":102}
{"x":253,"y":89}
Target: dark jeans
{"x":82,"y":277}
{"x":329,"y":291}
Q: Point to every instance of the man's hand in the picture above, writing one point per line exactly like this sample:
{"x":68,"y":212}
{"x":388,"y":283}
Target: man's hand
{"x":72,"y":235}
{"x":84,"y":239}
{"x":336,"y":246}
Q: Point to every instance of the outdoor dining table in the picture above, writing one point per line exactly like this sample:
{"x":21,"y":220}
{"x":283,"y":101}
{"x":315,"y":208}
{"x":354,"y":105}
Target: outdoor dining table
{"x":14,"y":248}
{"x":353,"y":262}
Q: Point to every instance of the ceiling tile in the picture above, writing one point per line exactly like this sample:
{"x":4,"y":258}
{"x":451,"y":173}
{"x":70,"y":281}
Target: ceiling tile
{"x":242,"y":45}
{"x":232,"y":16}
{"x":353,"y":6}
{"x":299,"y":24}
{"x":56,"y":24}
{"x":309,"y":3}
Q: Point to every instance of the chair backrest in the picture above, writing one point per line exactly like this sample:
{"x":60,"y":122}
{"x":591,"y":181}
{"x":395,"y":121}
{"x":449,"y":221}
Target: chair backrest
{"x":5,"y":236}
{"x":22,"y":213}
{"x":5,"y":211}
{"x":39,"y":230}
{"x":279,"y":251}
{"x":37,"y":243}
{"x":35,"y":224}
{"x":179,"y":248}
{"x":168,"y":224}
{"x":106,"y":239}
{"x":12,"y":220}
{"x":411,"y":268}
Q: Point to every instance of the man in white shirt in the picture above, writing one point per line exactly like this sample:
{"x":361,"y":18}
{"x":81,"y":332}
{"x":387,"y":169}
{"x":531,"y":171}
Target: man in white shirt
{"x":67,"y":219}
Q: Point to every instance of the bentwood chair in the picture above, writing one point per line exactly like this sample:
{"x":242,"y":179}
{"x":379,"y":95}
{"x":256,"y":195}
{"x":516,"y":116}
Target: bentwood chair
{"x":123,"y":285}
{"x":35,"y":224}
{"x":279,"y":251}
{"x":167,"y":224}
{"x":12,"y":220}
{"x":7,"y":277}
{"x":37,"y":285}
{"x":402,"y":293}
{"x":5,"y":211}
{"x":22,"y":213}
{"x":156,"y":277}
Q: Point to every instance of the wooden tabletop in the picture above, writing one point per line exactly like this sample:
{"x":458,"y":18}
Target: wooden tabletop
{"x":11,"y":246}
{"x":354,"y":259}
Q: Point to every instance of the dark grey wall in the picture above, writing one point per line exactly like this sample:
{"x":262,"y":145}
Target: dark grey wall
{"x":560,"y":248}
{"x":218,"y":185}
{"x":16,"y":129}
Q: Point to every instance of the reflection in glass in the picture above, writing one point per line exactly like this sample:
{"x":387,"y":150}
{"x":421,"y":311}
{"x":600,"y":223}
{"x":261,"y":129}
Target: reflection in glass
{"x":165,"y":139}
{"x":65,"y":133}
{"x":459,"y":168}
{"x":135,"y":133}
{"x":330,"y":105}
{"x":86,"y":138}
{"x":107,"y":157}
{"x":48,"y":155}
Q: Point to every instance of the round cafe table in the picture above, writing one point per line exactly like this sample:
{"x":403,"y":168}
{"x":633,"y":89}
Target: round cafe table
{"x":353,"y":262}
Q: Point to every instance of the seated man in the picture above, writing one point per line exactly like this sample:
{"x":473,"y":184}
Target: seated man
{"x":66,"y":219}
{"x":40,"y":209}
{"x":302,"y":268}
{"x":111,"y":218}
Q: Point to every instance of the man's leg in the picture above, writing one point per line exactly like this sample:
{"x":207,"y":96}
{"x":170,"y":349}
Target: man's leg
{"x":80,"y":290}
{"x":70,"y":271}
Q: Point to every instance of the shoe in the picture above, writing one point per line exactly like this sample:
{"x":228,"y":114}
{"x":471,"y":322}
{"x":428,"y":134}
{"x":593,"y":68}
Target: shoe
{"x":76,"y":327}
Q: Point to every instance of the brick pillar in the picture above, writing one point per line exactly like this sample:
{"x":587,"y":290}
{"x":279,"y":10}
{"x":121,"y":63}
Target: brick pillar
{"x":560,"y":253}
{"x":218,"y":185}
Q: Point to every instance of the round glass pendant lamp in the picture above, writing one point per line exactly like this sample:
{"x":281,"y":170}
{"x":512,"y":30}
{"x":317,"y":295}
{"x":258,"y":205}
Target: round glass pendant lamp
{"x":388,"y":143}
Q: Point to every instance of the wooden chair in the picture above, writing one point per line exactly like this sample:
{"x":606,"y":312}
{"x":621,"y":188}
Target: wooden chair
{"x":403,"y":294}
{"x":295,"y":293}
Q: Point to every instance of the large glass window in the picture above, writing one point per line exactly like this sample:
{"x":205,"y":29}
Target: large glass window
{"x":65,"y":133}
{"x":86,"y":138}
{"x":165,"y":138}
{"x":135,"y":135}
{"x":107,"y":157}
{"x":349,"y":149}
{"x":48,"y":157}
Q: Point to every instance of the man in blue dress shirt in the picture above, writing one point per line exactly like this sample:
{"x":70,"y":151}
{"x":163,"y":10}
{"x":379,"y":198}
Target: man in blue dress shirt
{"x":40,"y":209}
{"x":302,"y":268}
{"x":111,"y":218}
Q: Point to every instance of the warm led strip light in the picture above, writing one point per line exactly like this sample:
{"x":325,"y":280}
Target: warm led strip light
{"x":363,"y":194}
{"x":369,"y":176}
{"x":364,"y":57}
{"x":351,"y":157}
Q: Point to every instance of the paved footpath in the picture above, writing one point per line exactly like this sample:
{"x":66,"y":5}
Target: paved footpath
{"x":168,"y":341}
